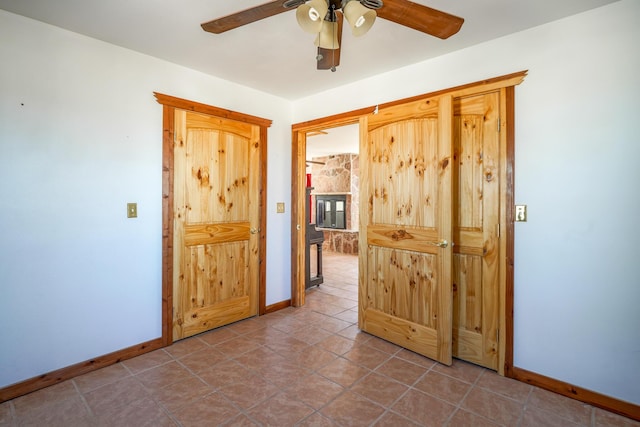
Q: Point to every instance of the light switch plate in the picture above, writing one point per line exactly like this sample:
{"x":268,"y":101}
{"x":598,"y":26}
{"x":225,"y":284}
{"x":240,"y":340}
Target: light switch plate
{"x":132,"y":210}
{"x":521,"y":213}
{"x":280,"y":207}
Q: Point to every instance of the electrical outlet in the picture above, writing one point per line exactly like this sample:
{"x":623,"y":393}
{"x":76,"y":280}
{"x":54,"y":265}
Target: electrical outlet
{"x":132,"y":210}
{"x":280,"y":207}
{"x":521,"y":213}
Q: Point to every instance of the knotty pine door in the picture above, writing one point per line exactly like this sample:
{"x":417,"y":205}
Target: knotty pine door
{"x":430,"y":215}
{"x":216,"y":222}
{"x":476,"y":228}
{"x":405,"y":257}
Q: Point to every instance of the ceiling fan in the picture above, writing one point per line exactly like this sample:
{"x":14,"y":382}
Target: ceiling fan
{"x":325,"y":18}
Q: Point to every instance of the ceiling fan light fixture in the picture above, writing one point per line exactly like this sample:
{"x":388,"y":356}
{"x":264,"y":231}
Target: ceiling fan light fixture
{"x":328,"y":36}
{"x":360,"y":18}
{"x":311,"y":15}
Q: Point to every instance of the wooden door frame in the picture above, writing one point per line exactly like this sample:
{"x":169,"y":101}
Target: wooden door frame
{"x":170,"y":104}
{"x":507,"y":114}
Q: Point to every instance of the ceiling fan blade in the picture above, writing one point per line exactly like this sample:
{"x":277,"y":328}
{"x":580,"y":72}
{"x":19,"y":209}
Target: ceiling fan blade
{"x":421,"y":18}
{"x":331,"y":57}
{"x":248,"y":16}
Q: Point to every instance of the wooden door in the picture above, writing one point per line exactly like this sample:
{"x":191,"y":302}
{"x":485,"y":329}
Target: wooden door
{"x":216,"y":221}
{"x":405,"y":226}
{"x":476,"y":232}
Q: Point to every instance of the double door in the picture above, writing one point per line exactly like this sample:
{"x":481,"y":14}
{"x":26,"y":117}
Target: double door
{"x":430,"y":212}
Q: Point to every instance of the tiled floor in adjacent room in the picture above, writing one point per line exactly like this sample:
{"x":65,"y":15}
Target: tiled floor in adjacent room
{"x":308,"y":366}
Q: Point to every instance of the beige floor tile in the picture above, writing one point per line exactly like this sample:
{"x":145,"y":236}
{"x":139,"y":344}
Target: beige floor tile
{"x":286,"y":345}
{"x":260,"y":359}
{"x":112,"y":397}
{"x":366,"y":356}
{"x":351,"y":409}
{"x":350,"y":316}
{"x":6,"y":413}
{"x":562,"y":406}
{"x":143,"y":412}
{"x":423,"y":409}
{"x":147,"y":361}
{"x":379,"y":388}
{"x":401,"y":370}
{"x":284,"y":374}
{"x":493,"y":406}
{"x":202,"y":360}
{"x":464,"y":418}
{"x":609,"y":419}
{"x":334,"y":325}
{"x":415,"y":358}
{"x":95,"y":379}
{"x":314,"y":390}
{"x":337,"y":344}
{"x":44,"y":397}
{"x":218,"y":336}
{"x":163,"y":375}
{"x":313,"y":358}
{"x":382,"y":345}
{"x":225,"y":373}
{"x":391,"y":419}
{"x":343,"y":372}
{"x":185,"y":347}
{"x":461,"y":370}
{"x":508,"y":387}
{"x":69,"y":412}
{"x":280,"y":410}
{"x":354,"y":333}
{"x":535,"y":417}
{"x":316,"y":420}
{"x":245,"y":326}
{"x":443,"y":387}
{"x":311,"y":334}
{"x":211,"y":410}
{"x":237,"y":346}
{"x":249,"y":392}
{"x":182,"y":393}
{"x":240,"y":421}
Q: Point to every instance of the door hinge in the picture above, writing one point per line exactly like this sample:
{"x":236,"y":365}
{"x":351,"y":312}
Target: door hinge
{"x":498,"y":230}
{"x":497,"y":335}
{"x":499,"y":124}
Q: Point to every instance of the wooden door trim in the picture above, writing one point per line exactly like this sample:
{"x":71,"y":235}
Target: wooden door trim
{"x":505,"y":356}
{"x":298,"y":181}
{"x":169,"y":104}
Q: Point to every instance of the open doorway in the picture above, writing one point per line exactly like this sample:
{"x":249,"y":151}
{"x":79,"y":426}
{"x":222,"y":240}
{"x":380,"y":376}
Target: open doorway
{"x":332,"y":214}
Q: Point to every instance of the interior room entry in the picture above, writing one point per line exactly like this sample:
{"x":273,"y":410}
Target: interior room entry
{"x":216,"y":222}
{"x":436,"y":220}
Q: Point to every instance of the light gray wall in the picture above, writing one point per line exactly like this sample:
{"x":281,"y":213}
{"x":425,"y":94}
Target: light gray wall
{"x":577,"y":275}
{"x":80,"y":136}
{"x":78,"y":280}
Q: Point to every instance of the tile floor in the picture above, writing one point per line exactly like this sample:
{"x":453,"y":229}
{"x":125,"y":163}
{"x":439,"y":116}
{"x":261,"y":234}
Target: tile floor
{"x":308,"y":366}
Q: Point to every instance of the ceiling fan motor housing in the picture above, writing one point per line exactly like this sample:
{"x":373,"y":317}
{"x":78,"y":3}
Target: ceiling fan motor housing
{"x":372,"y":4}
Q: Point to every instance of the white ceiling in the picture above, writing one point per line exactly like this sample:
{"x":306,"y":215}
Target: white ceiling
{"x":339,"y":140}
{"x":274,"y":55}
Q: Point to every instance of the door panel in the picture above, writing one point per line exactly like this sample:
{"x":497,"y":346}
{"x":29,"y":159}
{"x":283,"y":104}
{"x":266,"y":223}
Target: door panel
{"x":216,"y":210}
{"x":476,"y":186}
{"x":405,"y":284}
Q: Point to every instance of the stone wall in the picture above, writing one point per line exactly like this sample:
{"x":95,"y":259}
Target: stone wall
{"x":345,"y":242}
